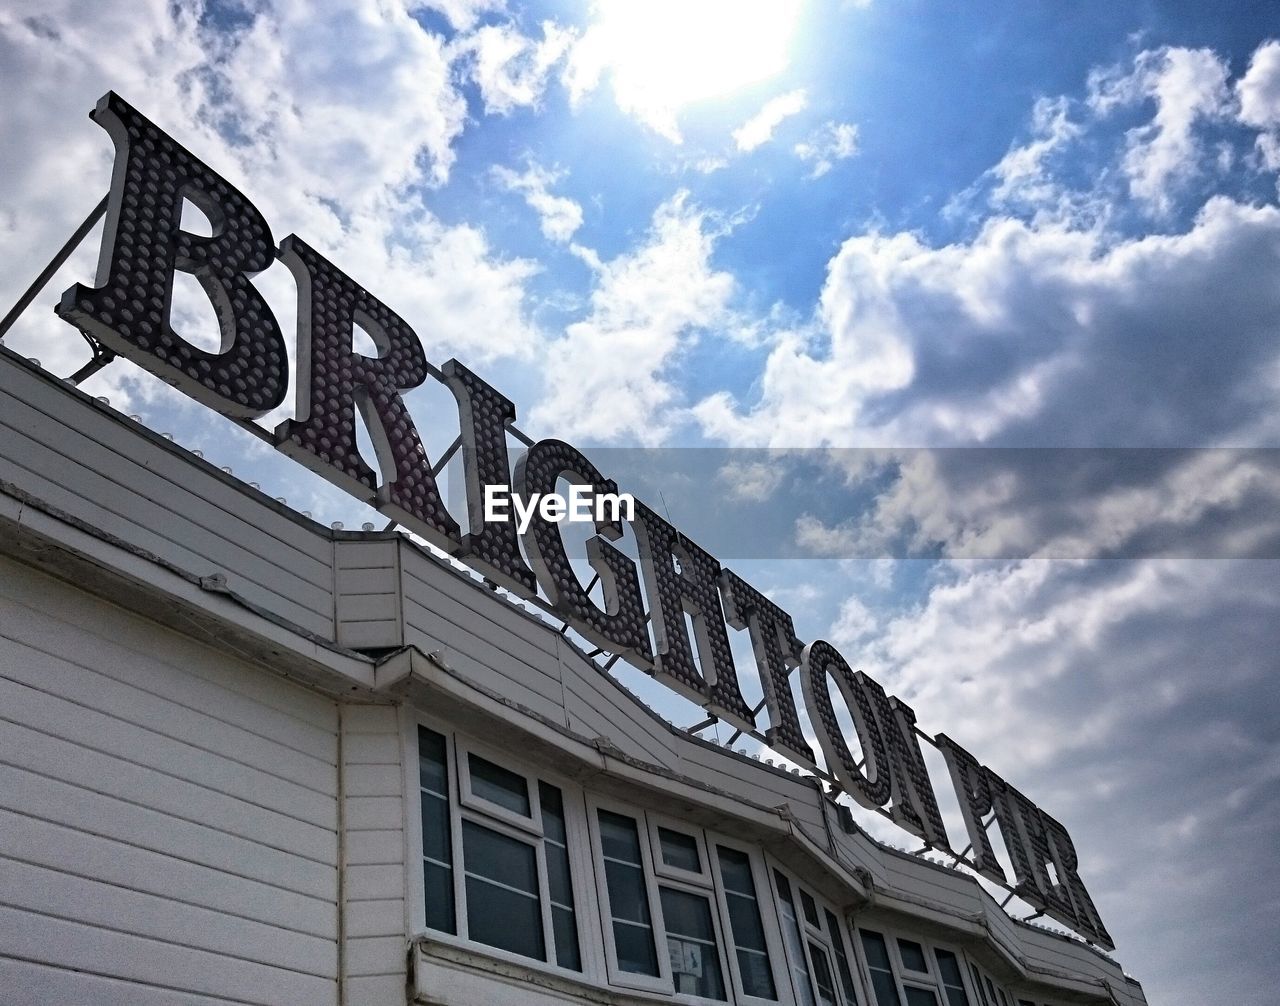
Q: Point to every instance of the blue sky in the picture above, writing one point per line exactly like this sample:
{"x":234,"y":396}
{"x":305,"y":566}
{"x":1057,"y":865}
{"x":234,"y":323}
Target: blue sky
{"x":823,"y":226}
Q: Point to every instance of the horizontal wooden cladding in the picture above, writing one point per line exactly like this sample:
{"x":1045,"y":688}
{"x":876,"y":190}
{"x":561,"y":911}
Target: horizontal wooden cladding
{"x":375,"y":937}
{"x":100,"y":469}
{"x":168,"y":815}
{"x":45,"y":614}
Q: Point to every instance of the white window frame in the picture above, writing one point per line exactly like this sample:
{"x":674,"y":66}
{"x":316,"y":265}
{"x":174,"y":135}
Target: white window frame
{"x":628,"y":979}
{"x":505,"y":822}
{"x":905,"y":978}
{"x":704,"y":884}
{"x":766,"y":904}
{"x":485,"y":808}
{"x":657,"y":820}
{"x":810,"y":932}
{"x":910,"y":978}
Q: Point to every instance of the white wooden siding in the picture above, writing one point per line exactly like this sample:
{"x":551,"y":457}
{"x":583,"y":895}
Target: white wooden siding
{"x":375,"y":925}
{"x":168,"y":816}
{"x":97,"y":466}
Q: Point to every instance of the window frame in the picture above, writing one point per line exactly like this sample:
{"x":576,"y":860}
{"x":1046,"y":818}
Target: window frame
{"x":528,"y":831}
{"x":706,"y":884}
{"x":808,"y":932}
{"x":465,"y":748}
{"x":766,"y":903}
{"x":662,"y":981}
{"x":905,"y":978}
{"x":656,"y":820}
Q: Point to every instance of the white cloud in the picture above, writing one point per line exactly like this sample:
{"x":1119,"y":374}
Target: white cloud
{"x":853,"y":624}
{"x":834,"y":141}
{"x":751,"y":480}
{"x":1083,"y":327}
{"x":560,"y":216}
{"x":1023,"y":177}
{"x":758,"y":130}
{"x":1258,"y":92}
{"x":1188,"y":87}
{"x":609,"y":376}
{"x":510,"y":69}
{"x":1259,"y":89}
{"x":462,"y":14}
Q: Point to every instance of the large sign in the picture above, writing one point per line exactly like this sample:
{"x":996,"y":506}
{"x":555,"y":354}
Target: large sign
{"x":128,"y":311}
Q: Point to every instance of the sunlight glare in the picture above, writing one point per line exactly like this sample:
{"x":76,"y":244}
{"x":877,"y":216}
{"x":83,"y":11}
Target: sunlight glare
{"x":666,"y":54}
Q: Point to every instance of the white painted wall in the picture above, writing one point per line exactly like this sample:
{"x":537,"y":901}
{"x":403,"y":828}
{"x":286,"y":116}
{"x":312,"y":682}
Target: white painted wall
{"x":168,"y":815}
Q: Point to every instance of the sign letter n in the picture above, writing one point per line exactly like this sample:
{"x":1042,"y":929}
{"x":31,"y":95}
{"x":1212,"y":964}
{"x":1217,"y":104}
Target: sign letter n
{"x":143,"y":244}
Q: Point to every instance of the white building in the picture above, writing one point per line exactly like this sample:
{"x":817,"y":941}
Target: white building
{"x":244,"y":758}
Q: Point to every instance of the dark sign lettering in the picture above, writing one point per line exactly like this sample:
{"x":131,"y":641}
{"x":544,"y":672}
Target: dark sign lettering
{"x":129,"y":312}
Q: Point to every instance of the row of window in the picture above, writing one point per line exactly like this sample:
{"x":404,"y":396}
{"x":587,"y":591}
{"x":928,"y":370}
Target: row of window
{"x":508,"y":861}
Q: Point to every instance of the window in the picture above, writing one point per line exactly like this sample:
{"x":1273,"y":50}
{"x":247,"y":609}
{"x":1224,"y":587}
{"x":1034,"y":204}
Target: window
{"x":918,"y":984}
{"x":682,"y":909}
{"x":628,"y":899}
{"x":842,"y":960}
{"x":880,"y":968}
{"x":989,"y":993}
{"x":755,"y":974}
{"x":670,"y":943}
{"x":495,"y":861}
{"x":437,"y":837}
{"x":952,"y":980}
{"x":812,"y":937}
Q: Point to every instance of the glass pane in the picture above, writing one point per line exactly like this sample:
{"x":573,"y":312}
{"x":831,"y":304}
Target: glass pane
{"x":745,"y":923}
{"x":564,"y":920}
{"x":503,"y":903}
{"x":877,"y":953}
{"x":552,"y":813}
{"x":744,"y":918}
{"x":565,"y":926}
{"x":920,"y":997}
{"x":619,"y":837}
{"x":436,"y":830}
{"x":885,"y":989}
{"x":757,"y":975}
{"x":795,"y":945}
{"x":949,"y":965}
{"x":433,"y":764}
{"x":977,"y":984}
{"x":499,"y":785}
{"x":810,"y":909}
{"x":437,"y":848}
{"x":679,"y":850}
{"x":691,"y":944}
{"x":913,"y":956}
{"x":735,"y":871}
{"x":499,"y":917}
{"x":687,"y":915}
{"x":628,"y":898}
{"x":842,"y":960}
{"x":634,"y":946}
{"x":882,"y":982}
{"x":499,"y":858}
{"x":558,"y":878}
{"x":438,"y":894}
{"x":822,"y":975}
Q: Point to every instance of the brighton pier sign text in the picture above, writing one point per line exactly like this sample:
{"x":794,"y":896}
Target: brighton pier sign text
{"x":128,"y":312}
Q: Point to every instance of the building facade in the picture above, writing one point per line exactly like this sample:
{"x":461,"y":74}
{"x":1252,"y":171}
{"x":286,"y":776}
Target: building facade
{"x":247,"y":758}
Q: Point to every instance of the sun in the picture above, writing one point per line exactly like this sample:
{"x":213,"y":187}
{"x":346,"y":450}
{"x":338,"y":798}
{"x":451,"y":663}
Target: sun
{"x":666,"y":54}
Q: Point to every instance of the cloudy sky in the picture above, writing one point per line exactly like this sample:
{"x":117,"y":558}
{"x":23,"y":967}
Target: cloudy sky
{"x":1049,"y":231}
